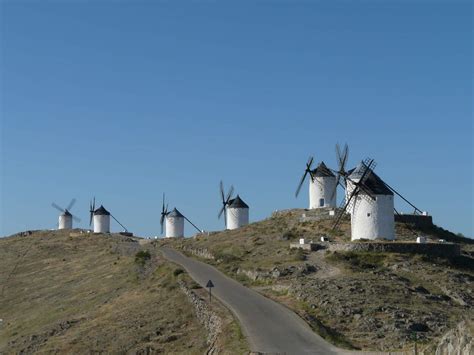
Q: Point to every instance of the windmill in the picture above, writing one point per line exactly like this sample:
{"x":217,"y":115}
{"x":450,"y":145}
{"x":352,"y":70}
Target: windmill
{"x":321,"y":185}
{"x":370,"y":201}
{"x":101,"y":218}
{"x":370,"y":204}
{"x":235,"y":210}
{"x":226,"y":200}
{"x":174,"y":221}
{"x":66,"y":217}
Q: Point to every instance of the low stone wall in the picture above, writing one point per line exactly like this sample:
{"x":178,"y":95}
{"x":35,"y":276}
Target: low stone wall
{"x":417,"y":220}
{"x":209,"y":319}
{"x":435,"y":249}
{"x":199,"y":252}
{"x":307,"y":246}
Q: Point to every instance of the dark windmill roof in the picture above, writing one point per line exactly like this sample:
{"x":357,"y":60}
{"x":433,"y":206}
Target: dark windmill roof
{"x":237,"y":203}
{"x":175,"y":213}
{"x":101,"y":211}
{"x":322,"y":171}
{"x":372,"y":181}
{"x":66,"y":213}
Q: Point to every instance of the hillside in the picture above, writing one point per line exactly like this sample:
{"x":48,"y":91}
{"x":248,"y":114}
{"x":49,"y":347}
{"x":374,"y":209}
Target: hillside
{"x":358,"y":300}
{"x":82,"y":292}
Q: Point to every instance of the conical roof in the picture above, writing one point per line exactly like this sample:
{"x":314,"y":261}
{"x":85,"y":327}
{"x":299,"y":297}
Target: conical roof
{"x":237,"y":203}
{"x":322,"y":171}
{"x":66,"y":213}
{"x":372,"y":182}
{"x":101,"y":211}
{"x":175,"y":213}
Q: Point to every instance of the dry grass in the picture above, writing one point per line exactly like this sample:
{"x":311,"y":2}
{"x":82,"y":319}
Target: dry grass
{"x":93,"y":293}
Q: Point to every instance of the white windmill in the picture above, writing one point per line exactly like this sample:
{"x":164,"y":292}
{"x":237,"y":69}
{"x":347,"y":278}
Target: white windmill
{"x":101,"y":218}
{"x":370,"y":202}
{"x":322,"y":185}
{"x":174,"y":222}
{"x":235,"y":210}
{"x":66,"y":217}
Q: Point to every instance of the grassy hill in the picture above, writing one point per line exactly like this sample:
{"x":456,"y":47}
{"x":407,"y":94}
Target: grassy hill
{"x":378,"y":301}
{"x":97,"y":293}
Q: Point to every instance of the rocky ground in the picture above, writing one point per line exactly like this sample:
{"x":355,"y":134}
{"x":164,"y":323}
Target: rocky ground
{"x":377,"y":301}
{"x":84,"y":293}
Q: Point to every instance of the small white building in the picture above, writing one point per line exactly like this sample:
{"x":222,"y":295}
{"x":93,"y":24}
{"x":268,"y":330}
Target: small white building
{"x":174,"y":224}
{"x":65,"y":220}
{"x":421,"y":240}
{"x":371,"y":219}
{"x":322,"y":189}
{"x":237,"y":213}
{"x":101,"y":220}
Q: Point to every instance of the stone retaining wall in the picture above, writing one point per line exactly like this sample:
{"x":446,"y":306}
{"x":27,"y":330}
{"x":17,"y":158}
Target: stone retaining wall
{"x":435,"y":249}
{"x":209,"y":319}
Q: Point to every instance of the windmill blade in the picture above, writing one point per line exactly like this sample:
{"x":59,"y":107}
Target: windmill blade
{"x":221,"y":188}
{"x":77,"y":219}
{"x":345,"y":155}
{"x":306,"y":172}
{"x":339,"y":217}
{"x":298,"y":189}
{"x":116,"y":220}
{"x":187,"y":219}
{"x":338,"y":154}
{"x":403,"y":198}
{"x":229,"y":194}
{"x":57,"y":207}
{"x":91,"y":210}
{"x":162,"y":221}
{"x":220,"y":212}
{"x":73,"y":201}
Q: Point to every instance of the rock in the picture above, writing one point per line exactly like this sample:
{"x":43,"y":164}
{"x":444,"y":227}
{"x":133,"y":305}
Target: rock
{"x":418,"y":327}
{"x":459,"y":341}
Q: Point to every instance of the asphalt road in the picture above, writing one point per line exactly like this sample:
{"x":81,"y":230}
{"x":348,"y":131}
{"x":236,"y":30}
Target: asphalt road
{"x":268,"y":326}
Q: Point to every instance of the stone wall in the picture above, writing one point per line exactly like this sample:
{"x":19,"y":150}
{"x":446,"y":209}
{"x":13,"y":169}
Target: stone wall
{"x":208,"y":318}
{"x":435,"y":249}
{"x":199,"y":252}
{"x":418,"y":221}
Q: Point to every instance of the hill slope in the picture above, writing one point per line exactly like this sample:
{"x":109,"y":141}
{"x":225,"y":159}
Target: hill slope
{"x":94,"y":293}
{"x":378,"y":301}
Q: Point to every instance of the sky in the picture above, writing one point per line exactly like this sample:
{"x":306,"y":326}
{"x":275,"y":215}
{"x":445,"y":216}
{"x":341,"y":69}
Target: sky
{"x":126,"y":100}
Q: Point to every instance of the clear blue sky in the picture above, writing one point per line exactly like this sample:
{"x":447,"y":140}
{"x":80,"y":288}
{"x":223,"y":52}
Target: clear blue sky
{"x":125,"y":100}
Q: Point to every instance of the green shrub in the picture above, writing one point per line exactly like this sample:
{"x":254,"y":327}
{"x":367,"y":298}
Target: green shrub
{"x":142,"y":257}
{"x":177,"y":272}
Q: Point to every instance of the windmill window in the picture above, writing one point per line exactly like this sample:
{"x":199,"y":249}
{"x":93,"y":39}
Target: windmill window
{"x":368,"y":214}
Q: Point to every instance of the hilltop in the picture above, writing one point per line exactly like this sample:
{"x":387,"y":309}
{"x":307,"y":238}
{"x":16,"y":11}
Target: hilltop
{"x":83,"y":292}
{"x":357,"y":300}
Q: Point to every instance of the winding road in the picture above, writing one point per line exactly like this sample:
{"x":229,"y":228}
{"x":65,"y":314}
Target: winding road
{"x":268,"y":326}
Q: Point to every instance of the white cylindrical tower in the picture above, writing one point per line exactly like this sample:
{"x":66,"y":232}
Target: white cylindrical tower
{"x":322,"y":190}
{"x":237,"y":213}
{"x":65,"y":220}
{"x":371,"y":219}
{"x":101,"y":220}
{"x":174,"y":224}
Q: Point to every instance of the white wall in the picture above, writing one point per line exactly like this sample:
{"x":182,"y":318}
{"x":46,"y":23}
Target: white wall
{"x":321,"y":188}
{"x":174,"y":227}
{"x":237,"y":217}
{"x":101,"y":223}
{"x":372,"y":219}
{"x":65,"y":222}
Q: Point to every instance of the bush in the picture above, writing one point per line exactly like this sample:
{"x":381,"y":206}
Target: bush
{"x":142,"y":257}
{"x":177,"y":272}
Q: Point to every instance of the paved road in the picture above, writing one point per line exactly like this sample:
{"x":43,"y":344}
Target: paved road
{"x":269,"y":326}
